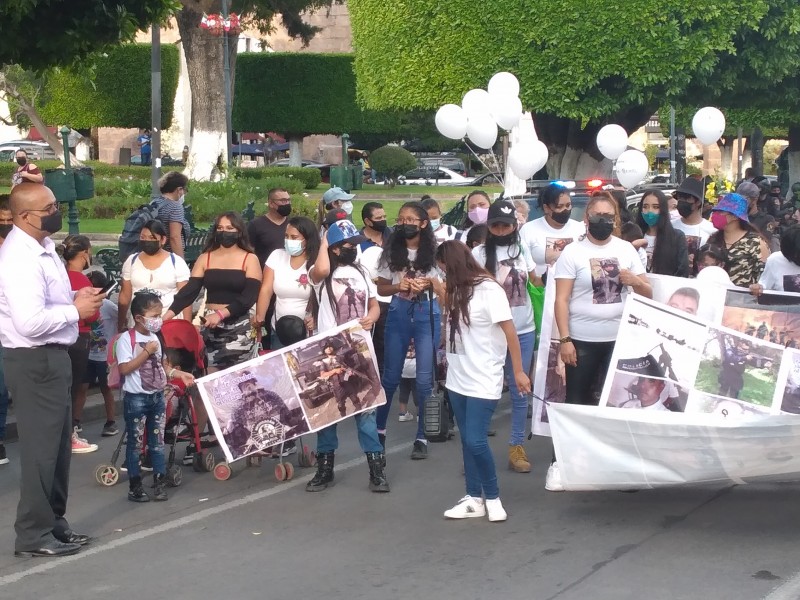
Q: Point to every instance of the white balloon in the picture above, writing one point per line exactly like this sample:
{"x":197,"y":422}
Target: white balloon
{"x":506,"y":110}
{"x":503,"y":84}
{"x":476,"y":101}
{"x":482,"y":129}
{"x":526,"y":159}
{"x":708,"y":125}
{"x":612,"y":140}
{"x":451,"y":121}
{"x":632,"y":167}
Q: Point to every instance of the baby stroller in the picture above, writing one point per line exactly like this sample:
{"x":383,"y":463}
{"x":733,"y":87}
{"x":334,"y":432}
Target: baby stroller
{"x":184,"y":348}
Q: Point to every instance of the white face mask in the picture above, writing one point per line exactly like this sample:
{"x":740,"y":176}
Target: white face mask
{"x":347,"y":207}
{"x":182,"y":199}
{"x":293,"y":247}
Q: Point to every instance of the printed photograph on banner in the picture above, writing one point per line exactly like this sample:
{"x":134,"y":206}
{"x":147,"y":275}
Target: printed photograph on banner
{"x":513,"y":282}
{"x":606,"y":284}
{"x":253,"y":406}
{"x":773,"y":317}
{"x":549,"y":372}
{"x":350,"y":301}
{"x":739,"y":367}
{"x":553,"y":248}
{"x":700,"y":402}
{"x":453,"y":340}
{"x":645,"y":387}
{"x":789,"y":383}
{"x":703,"y":300}
{"x":335,"y":376}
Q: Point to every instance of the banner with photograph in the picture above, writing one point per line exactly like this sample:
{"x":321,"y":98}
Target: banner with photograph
{"x":601,"y":449}
{"x":548,"y":380}
{"x":296,"y":390}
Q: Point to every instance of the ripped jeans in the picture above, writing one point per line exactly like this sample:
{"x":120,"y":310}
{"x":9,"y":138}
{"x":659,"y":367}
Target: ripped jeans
{"x":150,"y":409}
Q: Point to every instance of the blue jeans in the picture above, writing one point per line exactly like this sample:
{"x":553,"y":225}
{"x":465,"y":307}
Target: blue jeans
{"x":473,"y":416}
{"x":328,"y":440}
{"x":519,"y":403}
{"x":150,"y":408}
{"x":3,"y":399}
{"x":406,"y":321}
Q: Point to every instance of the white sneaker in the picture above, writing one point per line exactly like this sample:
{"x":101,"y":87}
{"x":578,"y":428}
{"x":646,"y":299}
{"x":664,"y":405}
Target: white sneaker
{"x":552,"y":482}
{"x":495,"y":510}
{"x":406,"y":416}
{"x":80,"y":446}
{"x":467,"y":508}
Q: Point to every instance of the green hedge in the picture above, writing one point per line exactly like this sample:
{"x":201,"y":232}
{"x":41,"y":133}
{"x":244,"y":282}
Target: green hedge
{"x":311,"y":178}
{"x":119,"y":93}
{"x":101,"y":170}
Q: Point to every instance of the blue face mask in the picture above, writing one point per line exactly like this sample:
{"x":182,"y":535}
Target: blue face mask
{"x":651,"y":218}
{"x":435,"y":223}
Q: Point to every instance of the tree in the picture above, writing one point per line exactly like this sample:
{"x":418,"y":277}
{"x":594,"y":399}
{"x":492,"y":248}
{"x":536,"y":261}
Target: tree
{"x":392,"y":161}
{"x":580,"y":64}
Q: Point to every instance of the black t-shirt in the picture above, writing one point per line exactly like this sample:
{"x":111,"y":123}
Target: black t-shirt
{"x":266,"y":236}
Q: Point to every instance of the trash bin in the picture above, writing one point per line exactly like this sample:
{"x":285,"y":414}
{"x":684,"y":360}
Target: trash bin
{"x":125,"y":157}
{"x":61,"y":183}
{"x":84,"y":183}
{"x":357,"y":174}
{"x":341,"y":178}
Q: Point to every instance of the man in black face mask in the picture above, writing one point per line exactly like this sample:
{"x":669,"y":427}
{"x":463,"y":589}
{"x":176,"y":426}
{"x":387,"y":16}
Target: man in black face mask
{"x":6,"y":221}
{"x":26,"y":171}
{"x":375,"y":229}
{"x":267,"y":232}
{"x":690,"y":206}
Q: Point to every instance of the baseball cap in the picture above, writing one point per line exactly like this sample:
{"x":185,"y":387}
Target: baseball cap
{"x":501,"y":212}
{"x":343,"y":231}
{"x":333,"y":215}
{"x":334,"y":194}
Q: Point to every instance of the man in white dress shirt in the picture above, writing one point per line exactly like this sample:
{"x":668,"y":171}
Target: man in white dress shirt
{"x":38,"y":321}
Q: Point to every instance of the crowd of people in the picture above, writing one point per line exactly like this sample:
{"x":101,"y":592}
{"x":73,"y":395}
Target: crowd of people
{"x":424,"y":289}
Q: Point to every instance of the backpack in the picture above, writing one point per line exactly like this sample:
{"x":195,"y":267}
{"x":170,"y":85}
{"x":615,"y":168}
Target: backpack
{"x":115,"y":378}
{"x":129,"y":238}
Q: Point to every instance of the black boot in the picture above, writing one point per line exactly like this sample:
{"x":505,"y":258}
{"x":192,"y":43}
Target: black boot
{"x":324,"y":475}
{"x":136,"y":492}
{"x":377,"y":478}
{"x":159,"y":493}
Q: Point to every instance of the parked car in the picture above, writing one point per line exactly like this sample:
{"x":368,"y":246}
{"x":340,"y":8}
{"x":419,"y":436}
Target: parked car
{"x":486,"y":179}
{"x":324,"y":168}
{"x":453,"y":163}
{"x":435,"y":176}
{"x":36,"y":150}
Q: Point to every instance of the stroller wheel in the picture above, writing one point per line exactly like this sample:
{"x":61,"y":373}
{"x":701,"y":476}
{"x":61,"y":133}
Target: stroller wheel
{"x":289,"y":471}
{"x":280,"y":472}
{"x":203,"y":461}
{"x":174,"y":476}
{"x":222,"y":471}
{"x":106,"y":475}
{"x":306,"y":458}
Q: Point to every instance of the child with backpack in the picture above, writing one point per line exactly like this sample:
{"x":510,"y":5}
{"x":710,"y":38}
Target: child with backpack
{"x":139,"y":358}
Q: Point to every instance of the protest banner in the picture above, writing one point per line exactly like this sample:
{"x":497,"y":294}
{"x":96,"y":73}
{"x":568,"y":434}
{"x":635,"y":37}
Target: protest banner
{"x":548,"y":380}
{"x":296,"y":390}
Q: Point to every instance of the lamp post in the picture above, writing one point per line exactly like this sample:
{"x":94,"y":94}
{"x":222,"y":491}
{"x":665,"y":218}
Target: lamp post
{"x":155,"y":109}
{"x":72,"y":207}
{"x":226,"y":57}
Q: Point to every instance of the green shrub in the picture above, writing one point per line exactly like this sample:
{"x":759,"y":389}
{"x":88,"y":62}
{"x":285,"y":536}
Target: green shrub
{"x":392,"y":161}
{"x":309,"y":176}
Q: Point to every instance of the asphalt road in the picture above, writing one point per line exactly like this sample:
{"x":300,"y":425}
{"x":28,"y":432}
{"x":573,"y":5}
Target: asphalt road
{"x":254,"y":538}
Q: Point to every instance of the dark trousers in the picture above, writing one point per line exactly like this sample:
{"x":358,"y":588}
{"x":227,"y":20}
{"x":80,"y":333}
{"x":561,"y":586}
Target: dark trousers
{"x":39,"y":380}
{"x":379,"y":334}
{"x":593,"y":361}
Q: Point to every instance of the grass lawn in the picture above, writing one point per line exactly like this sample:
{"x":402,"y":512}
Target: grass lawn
{"x":759,"y":385}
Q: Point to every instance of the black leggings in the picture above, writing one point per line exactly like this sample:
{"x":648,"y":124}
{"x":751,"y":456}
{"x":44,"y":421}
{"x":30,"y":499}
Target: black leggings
{"x":590,"y":372}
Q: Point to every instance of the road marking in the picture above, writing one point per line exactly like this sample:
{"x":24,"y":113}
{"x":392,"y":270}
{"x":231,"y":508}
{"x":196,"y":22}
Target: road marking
{"x":787,"y":591}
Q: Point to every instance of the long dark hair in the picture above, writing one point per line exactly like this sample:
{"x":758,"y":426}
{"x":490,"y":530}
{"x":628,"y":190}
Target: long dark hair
{"x":310,"y":233}
{"x":669,"y":243}
{"x":463,"y":274}
{"x":467,"y":221}
{"x":397,"y":256}
{"x":238,"y":224}
{"x":490,"y":247}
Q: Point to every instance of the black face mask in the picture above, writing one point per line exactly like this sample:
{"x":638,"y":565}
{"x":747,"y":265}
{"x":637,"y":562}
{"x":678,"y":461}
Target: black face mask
{"x":601,"y":229}
{"x":149,"y":247}
{"x":379,"y":226}
{"x":284,"y":210}
{"x":226,"y":239}
{"x":504,"y":240}
{"x":685,"y":208}
{"x":51,"y":223}
{"x":409,"y":231}
{"x":561,"y":217}
{"x":5,"y":230}
{"x":347,"y":256}
{"x":22,"y":161}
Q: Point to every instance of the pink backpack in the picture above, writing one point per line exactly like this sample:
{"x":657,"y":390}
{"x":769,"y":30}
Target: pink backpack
{"x":115,"y":378}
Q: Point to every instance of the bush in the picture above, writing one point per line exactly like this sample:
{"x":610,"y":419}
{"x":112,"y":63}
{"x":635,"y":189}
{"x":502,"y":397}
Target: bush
{"x":310,"y":177}
{"x":392,"y":161}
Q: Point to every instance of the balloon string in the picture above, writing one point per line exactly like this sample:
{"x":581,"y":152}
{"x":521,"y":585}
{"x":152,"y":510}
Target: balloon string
{"x":485,"y":166}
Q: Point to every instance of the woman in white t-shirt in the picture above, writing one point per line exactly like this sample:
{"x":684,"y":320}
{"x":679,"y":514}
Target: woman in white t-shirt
{"x":509,"y":262}
{"x":782,"y":269}
{"x":592,"y":280}
{"x":547,"y":236}
{"x":441,"y":232}
{"x":477,"y":205}
{"x":152,"y":269}
{"x":480,"y":334}
{"x":286,"y":274}
{"x":346,"y":293}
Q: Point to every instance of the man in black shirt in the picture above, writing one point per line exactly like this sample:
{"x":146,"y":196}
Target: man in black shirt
{"x":267,"y":233}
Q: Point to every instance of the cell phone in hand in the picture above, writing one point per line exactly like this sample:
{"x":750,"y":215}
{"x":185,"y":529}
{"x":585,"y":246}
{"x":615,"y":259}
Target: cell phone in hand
{"x":110,"y":289}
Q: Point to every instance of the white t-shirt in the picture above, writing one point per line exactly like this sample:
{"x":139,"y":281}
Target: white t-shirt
{"x":696,"y":235}
{"x":780,"y":274}
{"x":352,"y":290}
{"x":148,"y":378}
{"x":396,"y":276}
{"x":512,"y":274}
{"x":445,"y":233}
{"x":545,"y":243}
{"x":370,"y":260}
{"x":595,"y":307}
{"x":476,"y":353}
{"x":292,"y":287}
{"x":102,"y":331}
{"x":162,"y":281}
